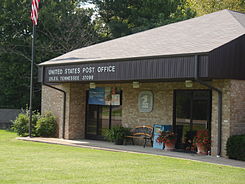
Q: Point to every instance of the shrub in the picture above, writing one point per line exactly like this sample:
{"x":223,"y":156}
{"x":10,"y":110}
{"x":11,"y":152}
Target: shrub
{"x":46,"y":125}
{"x":116,"y":134}
{"x":21,"y":123}
{"x":235,"y":147}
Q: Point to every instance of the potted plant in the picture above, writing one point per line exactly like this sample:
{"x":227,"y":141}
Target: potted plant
{"x":202,"y":141}
{"x":189,"y":136}
{"x":116,"y":134}
{"x":168,"y":138}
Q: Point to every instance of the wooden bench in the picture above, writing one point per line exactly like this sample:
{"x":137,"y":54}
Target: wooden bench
{"x":141,"y":132}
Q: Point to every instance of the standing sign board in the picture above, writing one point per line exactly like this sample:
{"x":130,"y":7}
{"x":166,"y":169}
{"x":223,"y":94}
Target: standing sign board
{"x":157,"y":131}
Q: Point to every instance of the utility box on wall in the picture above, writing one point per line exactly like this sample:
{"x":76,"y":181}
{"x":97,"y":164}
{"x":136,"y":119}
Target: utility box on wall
{"x":157,"y":131}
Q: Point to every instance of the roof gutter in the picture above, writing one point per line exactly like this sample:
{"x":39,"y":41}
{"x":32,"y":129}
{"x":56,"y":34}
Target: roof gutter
{"x":197,"y":79}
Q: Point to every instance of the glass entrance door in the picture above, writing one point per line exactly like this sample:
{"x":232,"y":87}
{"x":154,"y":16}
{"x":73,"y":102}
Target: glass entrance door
{"x":101,"y":117}
{"x":97,"y":121}
{"x":192,"y":112}
{"x":104,"y":111}
{"x":92,"y":117}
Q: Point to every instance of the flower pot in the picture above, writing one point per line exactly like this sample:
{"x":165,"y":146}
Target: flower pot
{"x":201,"y":149}
{"x":169,"y":146}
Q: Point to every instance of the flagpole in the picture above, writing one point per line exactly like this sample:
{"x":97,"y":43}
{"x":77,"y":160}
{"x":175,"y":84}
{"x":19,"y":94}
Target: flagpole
{"x":31,"y":80}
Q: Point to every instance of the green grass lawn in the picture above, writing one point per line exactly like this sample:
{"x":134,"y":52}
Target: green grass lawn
{"x":28,"y":162}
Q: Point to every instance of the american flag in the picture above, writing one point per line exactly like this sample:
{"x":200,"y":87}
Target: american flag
{"x":34,"y":11}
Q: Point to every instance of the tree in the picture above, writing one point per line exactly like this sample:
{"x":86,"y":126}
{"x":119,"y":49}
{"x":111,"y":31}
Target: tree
{"x":63,"y":26}
{"x":208,"y":6}
{"x":14,"y":53}
{"x":130,"y":16}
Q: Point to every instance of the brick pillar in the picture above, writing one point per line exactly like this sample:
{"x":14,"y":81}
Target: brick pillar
{"x":77,"y":108}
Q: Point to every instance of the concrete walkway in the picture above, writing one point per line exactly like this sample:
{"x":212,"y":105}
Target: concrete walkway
{"x":108,"y":146}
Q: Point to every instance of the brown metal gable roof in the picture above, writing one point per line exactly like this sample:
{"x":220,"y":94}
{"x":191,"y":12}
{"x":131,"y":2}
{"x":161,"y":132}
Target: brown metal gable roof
{"x":197,"y":35}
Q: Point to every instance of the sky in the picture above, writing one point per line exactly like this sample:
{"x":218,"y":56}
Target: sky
{"x":88,"y":5}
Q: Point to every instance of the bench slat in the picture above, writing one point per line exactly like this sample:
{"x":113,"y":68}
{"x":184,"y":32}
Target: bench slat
{"x":141,"y":132}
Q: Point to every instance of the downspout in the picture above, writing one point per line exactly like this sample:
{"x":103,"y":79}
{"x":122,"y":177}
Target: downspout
{"x":64,"y":102}
{"x":64,"y":107}
{"x":197,"y":79}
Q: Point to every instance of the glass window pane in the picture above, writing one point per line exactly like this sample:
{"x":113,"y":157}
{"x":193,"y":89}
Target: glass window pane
{"x":192,"y":113}
{"x":183,"y":105}
{"x":103,"y":119}
{"x":183,"y":113}
{"x":200,"y":114}
{"x":92,"y":120}
{"x":201,"y":94}
{"x":116,"y":116}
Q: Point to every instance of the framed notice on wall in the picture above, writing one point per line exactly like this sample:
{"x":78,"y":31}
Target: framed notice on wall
{"x":97,"y":96}
{"x":104,"y":96}
{"x":145,"y":101}
{"x":115,"y":99}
